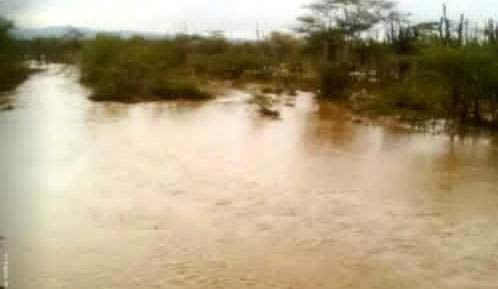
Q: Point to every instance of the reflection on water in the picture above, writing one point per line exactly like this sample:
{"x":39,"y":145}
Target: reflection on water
{"x":210,"y":195}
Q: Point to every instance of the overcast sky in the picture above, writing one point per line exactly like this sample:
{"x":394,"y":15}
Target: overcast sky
{"x":238,"y":18}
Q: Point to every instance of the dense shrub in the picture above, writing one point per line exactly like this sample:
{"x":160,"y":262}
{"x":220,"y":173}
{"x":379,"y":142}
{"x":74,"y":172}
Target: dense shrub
{"x":469,"y":76}
{"x":136,"y":69}
{"x":128,"y":69}
{"x":12,"y":67}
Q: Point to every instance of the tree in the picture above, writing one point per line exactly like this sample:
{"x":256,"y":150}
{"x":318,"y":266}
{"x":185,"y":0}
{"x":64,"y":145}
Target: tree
{"x":284,"y":47}
{"x":344,"y":18}
{"x":5,"y":39}
{"x":12,"y":68}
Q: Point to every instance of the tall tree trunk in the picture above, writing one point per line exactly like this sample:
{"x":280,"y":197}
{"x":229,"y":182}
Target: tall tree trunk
{"x":325,"y":52}
{"x":444,"y":27}
{"x":477,"y":111}
{"x":460,"y":29}
{"x":441,"y":29}
{"x":455,"y":101}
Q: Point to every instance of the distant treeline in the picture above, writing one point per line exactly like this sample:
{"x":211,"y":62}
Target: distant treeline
{"x":359,"y":50}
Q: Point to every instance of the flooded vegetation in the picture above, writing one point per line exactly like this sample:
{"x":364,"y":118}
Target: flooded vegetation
{"x":330,"y":156}
{"x":444,"y":69}
{"x":425,"y":70}
{"x":138,"y":69}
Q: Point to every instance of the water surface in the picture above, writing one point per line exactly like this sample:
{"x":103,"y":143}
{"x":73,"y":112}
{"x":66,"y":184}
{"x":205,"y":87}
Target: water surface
{"x":212,"y":195}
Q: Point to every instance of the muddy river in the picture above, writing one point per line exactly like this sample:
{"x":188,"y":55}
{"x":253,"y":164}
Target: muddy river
{"x":212,"y":195}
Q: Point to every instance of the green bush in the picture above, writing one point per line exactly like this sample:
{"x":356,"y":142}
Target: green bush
{"x":12,"y":67}
{"x":136,"y":69}
{"x":454,"y":82}
{"x":470,"y":77}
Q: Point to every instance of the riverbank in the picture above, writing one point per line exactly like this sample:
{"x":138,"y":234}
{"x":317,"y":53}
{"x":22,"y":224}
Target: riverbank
{"x":13,"y":75}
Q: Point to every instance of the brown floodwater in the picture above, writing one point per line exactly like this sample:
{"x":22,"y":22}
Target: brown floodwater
{"x":212,"y":195}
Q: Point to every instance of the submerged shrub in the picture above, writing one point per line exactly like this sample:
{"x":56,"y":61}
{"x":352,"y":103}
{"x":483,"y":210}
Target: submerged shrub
{"x":178,"y":88}
{"x":335,"y":80}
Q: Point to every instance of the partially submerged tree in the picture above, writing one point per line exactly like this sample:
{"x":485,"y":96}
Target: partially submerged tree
{"x":335,"y":26}
{"x":343,"y":19}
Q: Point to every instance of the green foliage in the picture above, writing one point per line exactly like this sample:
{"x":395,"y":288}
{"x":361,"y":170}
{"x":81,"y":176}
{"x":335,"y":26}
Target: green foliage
{"x":470,"y":76}
{"x":136,"y":69}
{"x":231,"y":64}
{"x":53,"y":49}
{"x":170,"y":67}
{"x":413,"y":94}
{"x":178,"y":89}
{"x":5,"y":38}
{"x":12,"y":67}
{"x":454,"y":82}
{"x":431,"y":68}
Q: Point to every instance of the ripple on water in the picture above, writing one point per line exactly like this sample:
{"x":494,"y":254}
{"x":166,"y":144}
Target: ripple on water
{"x":207,"y":195}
